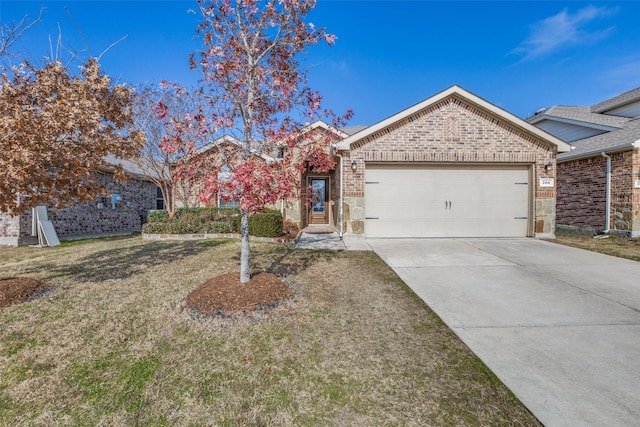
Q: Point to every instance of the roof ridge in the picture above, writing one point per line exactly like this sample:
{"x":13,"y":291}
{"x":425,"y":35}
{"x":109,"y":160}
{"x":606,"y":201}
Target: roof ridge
{"x":616,"y":101}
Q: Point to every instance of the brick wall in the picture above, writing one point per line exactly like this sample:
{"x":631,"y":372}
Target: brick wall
{"x":85,"y":219}
{"x":138,"y":197}
{"x":582,"y":192}
{"x":454,"y":131}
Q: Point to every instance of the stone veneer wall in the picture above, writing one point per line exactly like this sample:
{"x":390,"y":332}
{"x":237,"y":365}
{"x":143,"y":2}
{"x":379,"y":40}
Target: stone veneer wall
{"x":451,"y":131}
{"x":635,"y":197}
{"x":9,"y":229}
{"x":582,"y":193}
{"x":85,"y":219}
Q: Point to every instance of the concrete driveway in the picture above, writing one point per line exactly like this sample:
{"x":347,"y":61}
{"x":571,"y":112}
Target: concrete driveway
{"x":559,"y":326}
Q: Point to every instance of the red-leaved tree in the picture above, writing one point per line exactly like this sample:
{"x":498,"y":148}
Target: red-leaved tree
{"x":259,"y":94}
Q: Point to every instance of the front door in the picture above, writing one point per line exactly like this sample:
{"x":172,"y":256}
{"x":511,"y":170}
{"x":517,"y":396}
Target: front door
{"x":319,"y":212}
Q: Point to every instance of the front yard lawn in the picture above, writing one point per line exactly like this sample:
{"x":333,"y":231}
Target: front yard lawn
{"x":112,"y":343}
{"x":616,"y":246}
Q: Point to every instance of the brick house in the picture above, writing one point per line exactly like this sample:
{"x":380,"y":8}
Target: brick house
{"x":599,"y":179}
{"x":121,"y":212}
{"x":227,"y":147}
{"x":453,"y":165}
{"x":300,"y":211}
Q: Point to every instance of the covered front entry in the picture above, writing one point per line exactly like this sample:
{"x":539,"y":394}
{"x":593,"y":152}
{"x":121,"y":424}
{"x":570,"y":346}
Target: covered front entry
{"x":408,"y":200}
{"x":319,"y":210}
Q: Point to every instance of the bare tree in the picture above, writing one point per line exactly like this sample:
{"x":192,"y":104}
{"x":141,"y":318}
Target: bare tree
{"x":12,"y":32}
{"x":171,"y":119}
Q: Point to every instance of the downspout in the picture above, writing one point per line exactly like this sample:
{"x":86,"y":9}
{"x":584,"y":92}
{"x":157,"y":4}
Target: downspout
{"x":608,"y":194}
{"x":340,"y":231}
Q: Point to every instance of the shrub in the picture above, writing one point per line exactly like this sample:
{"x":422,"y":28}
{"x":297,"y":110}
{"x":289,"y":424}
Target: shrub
{"x":264,"y":224}
{"x":157,"y":216}
{"x":207,"y":214}
{"x":169,"y":227}
{"x":213,"y":220}
{"x":193,"y":221}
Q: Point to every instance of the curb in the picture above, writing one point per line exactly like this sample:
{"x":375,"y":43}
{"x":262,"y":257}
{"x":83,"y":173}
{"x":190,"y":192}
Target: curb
{"x":200,"y":236}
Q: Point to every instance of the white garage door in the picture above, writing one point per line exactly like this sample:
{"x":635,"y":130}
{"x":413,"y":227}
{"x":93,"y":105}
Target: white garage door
{"x":446,"y":201}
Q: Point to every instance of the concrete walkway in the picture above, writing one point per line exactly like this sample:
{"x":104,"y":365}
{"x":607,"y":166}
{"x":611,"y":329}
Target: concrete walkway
{"x":559,"y":326}
{"x":330,"y":241}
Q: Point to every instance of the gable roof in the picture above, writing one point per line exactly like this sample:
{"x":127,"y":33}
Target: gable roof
{"x":468,"y":97}
{"x":581,"y":116}
{"x":619,"y":140}
{"x":132,"y":167}
{"x":320,"y":124}
{"x":258,"y":152}
{"x":230,"y":140}
{"x":617,"y":133}
{"x":617,"y":101}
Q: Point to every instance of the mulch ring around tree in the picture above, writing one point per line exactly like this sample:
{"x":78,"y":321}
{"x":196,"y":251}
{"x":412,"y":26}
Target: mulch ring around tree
{"x":225,"y":295}
{"x":16,"y":290}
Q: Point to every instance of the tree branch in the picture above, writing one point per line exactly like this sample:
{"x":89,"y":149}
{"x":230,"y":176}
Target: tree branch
{"x":10,"y":34}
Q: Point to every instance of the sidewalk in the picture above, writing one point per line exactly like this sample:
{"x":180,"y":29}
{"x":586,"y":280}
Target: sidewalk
{"x":330,"y":241}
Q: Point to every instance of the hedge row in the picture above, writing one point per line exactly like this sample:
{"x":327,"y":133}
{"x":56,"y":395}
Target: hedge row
{"x":194,"y":214}
{"x":213,"y":220}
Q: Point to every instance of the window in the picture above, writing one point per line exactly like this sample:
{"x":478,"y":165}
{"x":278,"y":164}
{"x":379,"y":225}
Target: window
{"x":159,"y":199}
{"x":225,"y":199}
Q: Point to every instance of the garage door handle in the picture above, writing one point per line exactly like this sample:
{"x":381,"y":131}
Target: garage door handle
{"x":371,"y":217}
{"x":521,"y":217}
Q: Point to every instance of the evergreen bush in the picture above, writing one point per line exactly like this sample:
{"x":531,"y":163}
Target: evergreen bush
{"x":264,"y":224}
{"x":193,"y":221}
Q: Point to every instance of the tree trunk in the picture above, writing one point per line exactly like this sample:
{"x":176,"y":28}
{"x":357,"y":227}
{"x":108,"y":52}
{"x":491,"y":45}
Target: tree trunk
{"x":245,"y":274}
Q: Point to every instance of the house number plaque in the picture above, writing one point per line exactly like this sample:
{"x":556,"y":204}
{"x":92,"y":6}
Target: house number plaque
{"x":547,"y":182}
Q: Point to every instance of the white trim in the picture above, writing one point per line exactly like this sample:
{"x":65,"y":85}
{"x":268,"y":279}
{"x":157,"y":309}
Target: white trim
{"x":323,"y":125}
{"x":468,"y":96}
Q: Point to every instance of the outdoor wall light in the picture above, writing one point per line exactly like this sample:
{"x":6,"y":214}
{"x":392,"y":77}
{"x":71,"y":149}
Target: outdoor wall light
{"x":354,"y":165}
{"x":548,"y":166}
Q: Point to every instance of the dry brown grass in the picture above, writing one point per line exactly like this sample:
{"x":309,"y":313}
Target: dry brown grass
{"x":113,"y":345}
{"x":616,"y":246}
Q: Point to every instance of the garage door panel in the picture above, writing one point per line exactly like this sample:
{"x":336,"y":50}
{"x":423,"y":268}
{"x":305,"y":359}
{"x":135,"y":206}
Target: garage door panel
{"x":450,"y":201}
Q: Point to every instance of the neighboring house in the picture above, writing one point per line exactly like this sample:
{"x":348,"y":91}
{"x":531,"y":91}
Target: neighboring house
{"x":599,"y":179}
{"x":121,"y":212}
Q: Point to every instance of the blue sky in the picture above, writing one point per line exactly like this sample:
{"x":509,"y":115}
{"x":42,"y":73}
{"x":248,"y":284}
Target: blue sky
{"x":389,"y":55}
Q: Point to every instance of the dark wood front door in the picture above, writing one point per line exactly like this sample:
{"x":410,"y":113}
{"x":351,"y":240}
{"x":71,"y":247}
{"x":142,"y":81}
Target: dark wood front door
{"x":319,"y":212}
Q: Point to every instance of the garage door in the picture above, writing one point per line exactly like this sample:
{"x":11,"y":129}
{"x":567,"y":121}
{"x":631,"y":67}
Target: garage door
{"x":446,"y":201}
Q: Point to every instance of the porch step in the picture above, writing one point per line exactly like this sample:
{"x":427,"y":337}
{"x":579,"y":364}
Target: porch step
{"x":319,"y":229}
